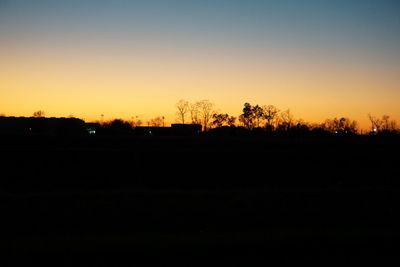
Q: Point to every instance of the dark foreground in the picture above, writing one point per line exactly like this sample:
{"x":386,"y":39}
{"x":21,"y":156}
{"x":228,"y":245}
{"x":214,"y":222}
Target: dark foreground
{"x":112,"y":201}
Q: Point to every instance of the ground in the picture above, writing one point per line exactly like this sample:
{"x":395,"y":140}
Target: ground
{"x":189,"y":198}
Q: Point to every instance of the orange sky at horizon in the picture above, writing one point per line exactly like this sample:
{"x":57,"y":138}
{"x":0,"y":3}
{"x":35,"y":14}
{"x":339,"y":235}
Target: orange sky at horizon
{"x":320,"y":59}
{"x":90,"y":83}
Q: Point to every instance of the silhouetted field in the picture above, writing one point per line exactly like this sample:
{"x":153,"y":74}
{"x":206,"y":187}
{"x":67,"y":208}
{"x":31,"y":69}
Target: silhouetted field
{"x":190,"y":198}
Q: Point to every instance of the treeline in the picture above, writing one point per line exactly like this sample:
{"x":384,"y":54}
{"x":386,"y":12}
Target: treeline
{"x":255,"y":119}
{"x":202,"y":116}
{"x":268,"y":118}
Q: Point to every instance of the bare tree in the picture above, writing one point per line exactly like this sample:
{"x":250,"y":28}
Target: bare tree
{"x":341,"y":126}
{"x":393,"y":125}
{"x":386,"y":124}
{"x":352,"y":127}
{"x":194,"y":110}
{"x":183,"y":109}
{"x":38,"y":114}
{"x":136,"y":122}
{"x":329,"y":125}
{"x":376,"y":123}
{"x":347,"y":126}
{"x":206,"y":110}
{"x":270,"y":115}
{"x":156,"y":122}
{"x":287,"y":119}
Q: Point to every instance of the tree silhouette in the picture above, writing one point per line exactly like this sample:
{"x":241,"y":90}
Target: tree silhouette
{"x":194,"y":110}
{"x":252,"y":117}
{"x":136,"y":122}
{"x":206,"y":110}
{"x":231,"y":121}
{"x":247,"y":117}
{"x":183,"y":109}
{"x":341,"y":126}
{"x":117,"y":126}
{"x":376,"y":123}
{"x":220,"y":120}
{"x":287,"y":120}
{"x":270,"y":114}
{"x":258,"y":114}
{"x":388,"y":126}
{"x":301,"y":126}
{"x":393,"y":126}
{"x":38,"y":114}
{"x":157,"y":122}
{"x":383,"y":125}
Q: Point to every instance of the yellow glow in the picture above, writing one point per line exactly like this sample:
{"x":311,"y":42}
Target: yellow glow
{"x":89,"y":82}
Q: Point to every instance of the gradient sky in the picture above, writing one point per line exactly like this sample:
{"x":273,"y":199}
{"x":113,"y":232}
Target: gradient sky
{"x":321,"y":59}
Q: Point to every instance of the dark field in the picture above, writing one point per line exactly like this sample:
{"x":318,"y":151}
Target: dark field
{"x":244,"y":199}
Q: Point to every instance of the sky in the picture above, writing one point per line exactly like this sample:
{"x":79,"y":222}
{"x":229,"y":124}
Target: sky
{"x":321,"y":59}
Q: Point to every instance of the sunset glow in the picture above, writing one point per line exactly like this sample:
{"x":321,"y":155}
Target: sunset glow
{"x":138,"y":58}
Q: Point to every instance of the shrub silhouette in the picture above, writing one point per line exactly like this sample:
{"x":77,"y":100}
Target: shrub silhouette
{"x":117,"y":126}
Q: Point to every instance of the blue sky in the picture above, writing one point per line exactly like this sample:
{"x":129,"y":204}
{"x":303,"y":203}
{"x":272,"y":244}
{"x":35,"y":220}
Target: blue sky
{"x":351,"y":24}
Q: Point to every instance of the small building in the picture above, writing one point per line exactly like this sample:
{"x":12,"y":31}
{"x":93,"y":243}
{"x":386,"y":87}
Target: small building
{"x":186,"y":129}
{"x":174,"y":130}
{"x":41,"y":126}
{"x":152,"y":131}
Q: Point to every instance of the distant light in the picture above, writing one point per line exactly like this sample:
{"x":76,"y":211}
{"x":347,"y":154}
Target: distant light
{"x":92,"y":131}
{"x":375,"y":130}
